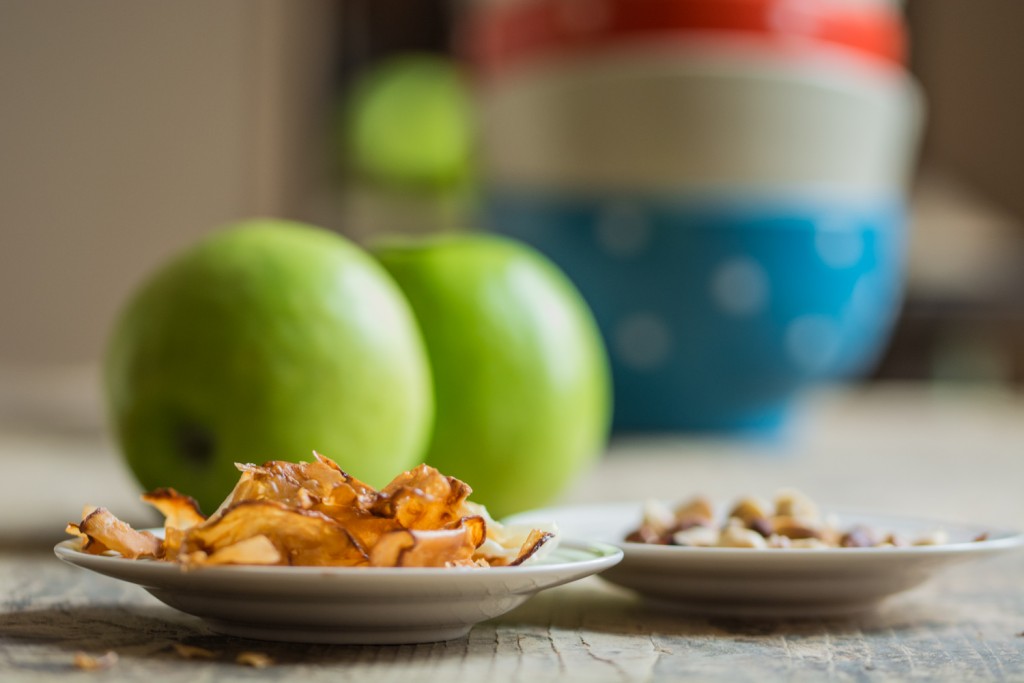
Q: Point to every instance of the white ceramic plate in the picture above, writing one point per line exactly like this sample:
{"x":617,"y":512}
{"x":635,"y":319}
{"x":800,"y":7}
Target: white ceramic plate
{"x":348,"y":604}
{"x":775,"y":582}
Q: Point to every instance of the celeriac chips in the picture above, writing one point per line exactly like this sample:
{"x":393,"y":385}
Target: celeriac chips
{"x":315,"y":514}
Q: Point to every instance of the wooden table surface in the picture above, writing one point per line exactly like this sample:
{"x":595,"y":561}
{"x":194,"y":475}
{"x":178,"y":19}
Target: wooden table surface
{"x":950,"y":454}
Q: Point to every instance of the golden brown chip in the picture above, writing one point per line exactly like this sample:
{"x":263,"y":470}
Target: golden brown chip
{"x":364,"y":527}
{"x":103,"y":531}
{"x":391,"y":548}
{"x":429,"y":548}
{"x":302,"y":537}
{"x":179,"y":511}
{"x":255,"y":550}
{"x":365,"y":494}
{"x":173,"y":538}
{"x":533,"y":543}
{"x":304,"y":485}
{"x":422,"y":498}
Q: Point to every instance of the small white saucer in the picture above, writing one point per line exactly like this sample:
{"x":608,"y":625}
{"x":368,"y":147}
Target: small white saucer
{"x":775,"y":582}
{"x":357,"y":605}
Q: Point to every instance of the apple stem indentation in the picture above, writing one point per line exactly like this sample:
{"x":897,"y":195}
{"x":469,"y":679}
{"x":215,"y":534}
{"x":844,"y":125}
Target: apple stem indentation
{"x":195,"y":443}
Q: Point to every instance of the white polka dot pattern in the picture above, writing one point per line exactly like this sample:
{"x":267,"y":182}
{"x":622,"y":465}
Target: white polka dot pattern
{"x":622,"y":231}
{"x":839,"y":243}
{"x":740,"y":287}
{"x":643,"y":341}
{"x":812,"y":342}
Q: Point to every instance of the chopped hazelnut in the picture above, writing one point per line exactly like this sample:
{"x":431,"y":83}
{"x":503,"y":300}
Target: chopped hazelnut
{"x":937,"y":537}
{"x":793,"y":527}
{"x":761,"y":526}
{"x":792,"y":503}
{"x":698,"y":508}
{"x":736,"y":536}
{"x":658,"y":517}
{"x":894,"y":541}
{"x":858,"y":537}
{"x":646,"y":534}
{"x":696,"y":536}
{"x":749,"y":510}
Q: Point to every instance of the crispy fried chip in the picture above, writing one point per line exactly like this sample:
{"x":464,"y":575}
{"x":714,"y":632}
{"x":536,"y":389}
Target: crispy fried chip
{"x":254,"y":550}
{"x":422,"y":498}
{"x":257,"y":660}
{"x":302,"y":484}
{"x":179,"y":511}
{"x":315,"y":514}
{"x":429,"y":548}
{"x":531,"y":545}
{"x":87,"y":662}
{"x":103,"y":531}
{"x":511,"y":545}
{"x":302,"y":537}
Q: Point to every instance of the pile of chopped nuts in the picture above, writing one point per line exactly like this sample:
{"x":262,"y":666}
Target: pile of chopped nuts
{"x":794,"y":521}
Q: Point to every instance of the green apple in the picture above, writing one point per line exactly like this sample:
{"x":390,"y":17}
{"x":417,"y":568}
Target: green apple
{"x":408,"y":123}
{"x":521,"y":380}
{"x":267,"y":340}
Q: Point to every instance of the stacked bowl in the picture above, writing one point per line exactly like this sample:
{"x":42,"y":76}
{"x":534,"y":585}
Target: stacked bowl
{"x":724,"y":180}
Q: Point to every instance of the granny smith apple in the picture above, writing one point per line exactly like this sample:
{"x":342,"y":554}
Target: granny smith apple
{"x":408,"y":123}
{"x":521,"y":381}
{"x":267,"y":340}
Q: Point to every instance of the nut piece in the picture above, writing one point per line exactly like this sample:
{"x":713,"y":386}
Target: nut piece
{"x":749,"y":510}
{"x":792,"y":503}
{"x":738,"y":536}
{"x":761,"y":526}
{"x":658,"y":517}
{"x":893,"y":541}
{"x":793,"y":527}
{"x":858,"y":537}
{"x":696,"y":536}
{"x":646,"y":535}
{"x":698,"y":509}
{"x":937,"y":537}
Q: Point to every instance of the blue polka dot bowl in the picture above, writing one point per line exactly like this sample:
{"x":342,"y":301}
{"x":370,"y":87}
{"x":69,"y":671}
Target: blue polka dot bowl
{"x":718,"y":314}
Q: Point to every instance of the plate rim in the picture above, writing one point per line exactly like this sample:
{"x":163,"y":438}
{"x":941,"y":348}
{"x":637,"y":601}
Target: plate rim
{"x":601,"y":553}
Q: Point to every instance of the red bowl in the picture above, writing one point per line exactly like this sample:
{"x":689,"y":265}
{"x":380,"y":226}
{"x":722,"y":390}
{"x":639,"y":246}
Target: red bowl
{"x":499,"y":36}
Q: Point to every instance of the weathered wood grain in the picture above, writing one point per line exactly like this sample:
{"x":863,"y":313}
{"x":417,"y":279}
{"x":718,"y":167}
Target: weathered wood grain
{"x":964,"y":626}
